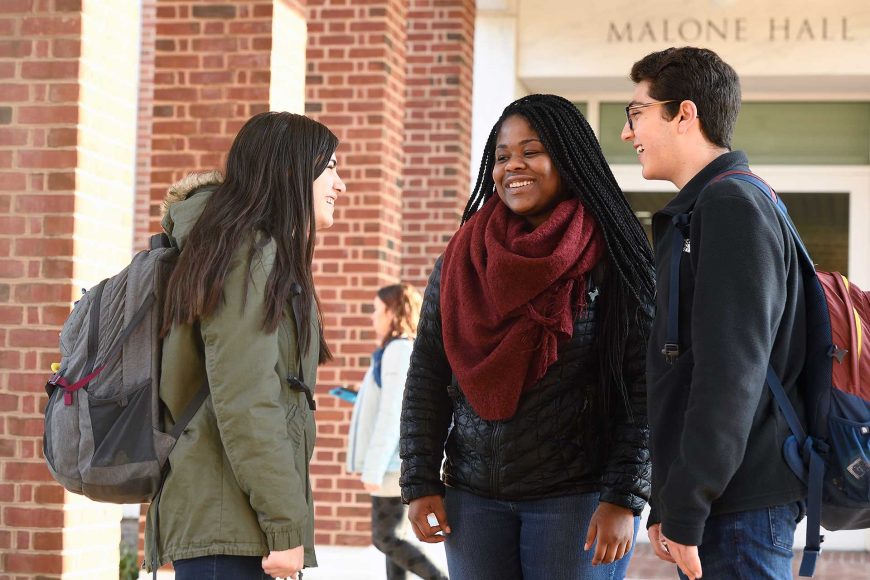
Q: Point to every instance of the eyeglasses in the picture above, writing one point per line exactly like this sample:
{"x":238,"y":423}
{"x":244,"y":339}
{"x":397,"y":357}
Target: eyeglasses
{"x":631,"y":108}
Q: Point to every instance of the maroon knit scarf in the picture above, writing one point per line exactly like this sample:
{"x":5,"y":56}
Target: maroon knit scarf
{"x":509,"y":296}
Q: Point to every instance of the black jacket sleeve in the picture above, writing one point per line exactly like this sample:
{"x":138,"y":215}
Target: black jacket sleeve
{"x":627,"y":473}
{"x":426,"y":406}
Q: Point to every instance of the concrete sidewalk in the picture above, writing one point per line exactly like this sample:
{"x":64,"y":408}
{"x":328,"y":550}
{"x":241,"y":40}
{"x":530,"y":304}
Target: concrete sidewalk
{"x":351,"y":563}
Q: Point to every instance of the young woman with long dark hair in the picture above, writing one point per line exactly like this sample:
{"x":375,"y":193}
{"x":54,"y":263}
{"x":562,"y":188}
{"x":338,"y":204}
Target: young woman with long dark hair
{"x":528,"y":368}
{"x":242,"y":313}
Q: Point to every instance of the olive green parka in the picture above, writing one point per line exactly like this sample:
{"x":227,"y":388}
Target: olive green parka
{"x":238,"y":482}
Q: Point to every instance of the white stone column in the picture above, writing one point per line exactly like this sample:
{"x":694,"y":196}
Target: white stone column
{"x":495,"y":71}
{"x":289,"y":37}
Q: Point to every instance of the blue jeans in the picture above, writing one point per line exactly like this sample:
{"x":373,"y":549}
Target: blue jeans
{"x":751,"y":545}
{"x":533,"y":539}
{"x":220,"y":567}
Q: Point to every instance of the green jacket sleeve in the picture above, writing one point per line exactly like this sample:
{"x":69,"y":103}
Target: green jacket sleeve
{"x":241,"y":362}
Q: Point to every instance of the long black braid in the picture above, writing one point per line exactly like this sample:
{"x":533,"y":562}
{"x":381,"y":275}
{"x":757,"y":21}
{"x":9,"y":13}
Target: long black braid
{"x":629,"y":283}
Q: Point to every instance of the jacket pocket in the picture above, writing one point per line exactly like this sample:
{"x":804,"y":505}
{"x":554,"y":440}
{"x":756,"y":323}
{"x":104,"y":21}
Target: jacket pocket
{"x":850,"y":457}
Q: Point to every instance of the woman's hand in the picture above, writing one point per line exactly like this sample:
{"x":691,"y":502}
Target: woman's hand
{"x":418,"y":512}
{"x":370,"y":487}
{"x":613,"y":528}
{"x":284,"y":564}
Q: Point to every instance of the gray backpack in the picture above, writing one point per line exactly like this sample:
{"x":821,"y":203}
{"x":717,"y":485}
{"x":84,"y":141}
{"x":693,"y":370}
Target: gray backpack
{"x":103,"y":421}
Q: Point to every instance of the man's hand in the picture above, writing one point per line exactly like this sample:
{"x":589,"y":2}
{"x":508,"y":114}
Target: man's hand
{"x":657,"y":541}
{"x":370,"y":487}
{"x":686,"y":558}
{"x":284,"y":564}
{"x":613,"y":527}
{"x":418,"y":512}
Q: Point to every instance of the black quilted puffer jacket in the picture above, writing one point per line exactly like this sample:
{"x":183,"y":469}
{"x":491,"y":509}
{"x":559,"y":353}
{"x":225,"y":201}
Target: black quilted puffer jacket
{"x":555,"y":444}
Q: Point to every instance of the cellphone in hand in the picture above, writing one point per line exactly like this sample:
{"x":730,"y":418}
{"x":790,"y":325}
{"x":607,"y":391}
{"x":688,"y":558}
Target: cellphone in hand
{"x":344,"y":393}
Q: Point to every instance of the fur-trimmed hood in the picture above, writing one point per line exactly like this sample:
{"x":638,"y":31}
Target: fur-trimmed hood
{"x":181,"y":209}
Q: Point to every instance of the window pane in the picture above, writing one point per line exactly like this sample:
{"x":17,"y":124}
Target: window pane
{"x":804,"y":133}
{"x":775,"y":133}
{"x":612,"y":122}
{"x":821,"y":218}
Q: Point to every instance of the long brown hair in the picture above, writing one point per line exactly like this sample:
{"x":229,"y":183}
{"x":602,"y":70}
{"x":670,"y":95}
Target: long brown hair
{"x":267,"y":188}
{"x":404,"y":302}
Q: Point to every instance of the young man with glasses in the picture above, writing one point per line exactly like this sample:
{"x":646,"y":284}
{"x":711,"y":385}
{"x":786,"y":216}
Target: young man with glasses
{"x":724,"y":501}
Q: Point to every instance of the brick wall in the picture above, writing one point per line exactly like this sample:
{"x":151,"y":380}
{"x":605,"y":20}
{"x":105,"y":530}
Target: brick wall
{"x":66,"y":149}
{"x":356,"y":86}
{"x":211,"y":74}
{"x":38,"y":115}
{"x":393,"y":80}
{"x":143,"y":207}
{"x":437,"y":130}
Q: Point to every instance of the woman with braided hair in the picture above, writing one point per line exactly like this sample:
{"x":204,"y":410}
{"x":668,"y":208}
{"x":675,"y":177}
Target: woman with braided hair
{"x":529,"y":364}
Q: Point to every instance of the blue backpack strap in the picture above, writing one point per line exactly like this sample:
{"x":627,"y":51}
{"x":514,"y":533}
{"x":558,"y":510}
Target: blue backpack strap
{"x":800,"y":450}
{"x":813,"y":546}
{"x":671,"y":349}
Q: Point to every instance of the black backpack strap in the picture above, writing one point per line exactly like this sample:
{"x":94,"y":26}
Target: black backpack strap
{"x":297,"y":383}
{"x":800,"y":450}
{"x":191,"y":409}
{"x":671,"y":349}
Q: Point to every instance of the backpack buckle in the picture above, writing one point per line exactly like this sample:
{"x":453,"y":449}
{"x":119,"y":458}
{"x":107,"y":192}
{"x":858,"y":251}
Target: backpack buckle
{"x":837,"y":353}
{"x":58,"y":382}
{"x":297,"y":386}
{"x":671,"y":351}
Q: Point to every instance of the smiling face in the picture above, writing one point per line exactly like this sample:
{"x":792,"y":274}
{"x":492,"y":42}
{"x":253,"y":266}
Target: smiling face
{"x":652,"y":136}
{"x":326,"y":189}
{"x":525,"y":178}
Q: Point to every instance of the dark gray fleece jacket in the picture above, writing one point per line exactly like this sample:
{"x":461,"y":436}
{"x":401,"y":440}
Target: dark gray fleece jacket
{"x":716,"y":434}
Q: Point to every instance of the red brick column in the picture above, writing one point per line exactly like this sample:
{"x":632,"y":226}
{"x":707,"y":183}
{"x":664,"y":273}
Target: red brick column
{"x":143,"y":207}
{"x":356,"y":86}
{"x":38,"y":114}
{"x":66,"y":141}
{"x":437,"y":130}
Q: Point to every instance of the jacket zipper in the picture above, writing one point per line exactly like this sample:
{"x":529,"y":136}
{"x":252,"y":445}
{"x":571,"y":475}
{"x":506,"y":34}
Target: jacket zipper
{"x":354,"y":430}
{"x":494,"y":483}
